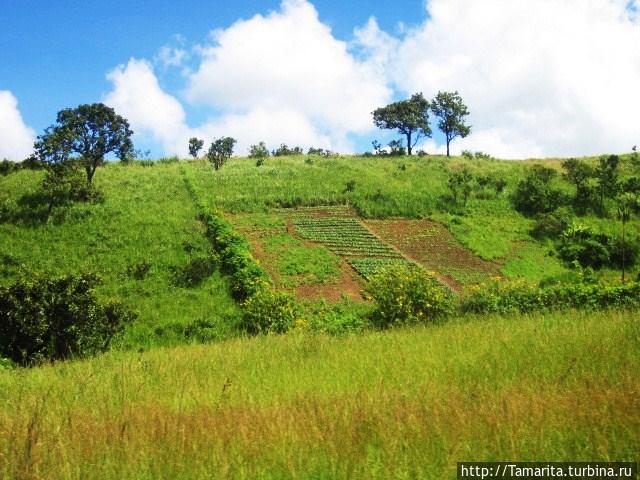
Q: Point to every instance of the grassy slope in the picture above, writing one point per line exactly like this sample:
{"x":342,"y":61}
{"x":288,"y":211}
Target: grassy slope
{"x":146,"y":216}
{"x":399,"y":404}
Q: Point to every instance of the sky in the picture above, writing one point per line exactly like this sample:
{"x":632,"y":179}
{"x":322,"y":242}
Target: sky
{"x":541,"y":78}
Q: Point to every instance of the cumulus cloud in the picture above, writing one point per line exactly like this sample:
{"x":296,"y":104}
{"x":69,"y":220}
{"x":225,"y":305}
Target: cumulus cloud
{"x":152,"y":112}
{"x":288,"y":64}
{"x":541,"y":77}
{"x":16,"y":138}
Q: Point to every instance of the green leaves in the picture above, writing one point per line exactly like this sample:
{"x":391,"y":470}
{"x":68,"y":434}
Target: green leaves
{"x":409,"y":117}
{"x":220,"y":151}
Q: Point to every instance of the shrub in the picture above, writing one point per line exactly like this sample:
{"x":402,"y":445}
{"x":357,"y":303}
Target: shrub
{"x":139,"y":270}
{"x":7,"y":167}
{"x":550,"y":225}
{"x":268,"y":311}
{"x":535,"y":194}
{"x":628,"y":250}
{"x":195,"y":272}
{"x":43,"y":318}
{"x":407,"y":295}
{"x":518,"y":297}
{"x":580,"y":244}
{"x":259,"y":151}
{"x":283,"y":150}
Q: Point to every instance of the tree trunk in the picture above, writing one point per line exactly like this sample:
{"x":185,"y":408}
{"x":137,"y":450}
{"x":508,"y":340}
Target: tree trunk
{"x":409,"y":143}
{"x":90,"y":172}
{"x":623,"y":250}
{"x":448,"y":142}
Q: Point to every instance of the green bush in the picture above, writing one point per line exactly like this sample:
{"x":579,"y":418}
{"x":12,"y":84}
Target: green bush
{"x":582,"y":245}
{"x":268,"y":311}
{"x":550,"y":225}
{"x":535,"y":193}
{"x":44,"y":318}
{"x":195,"y":272}
{"x":518,"y":297}
{"x":407,"y":295}
{"x":235,"y":257}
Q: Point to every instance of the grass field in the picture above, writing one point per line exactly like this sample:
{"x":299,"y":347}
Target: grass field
{"x":408,"y":403}
{"x":184,"y":394}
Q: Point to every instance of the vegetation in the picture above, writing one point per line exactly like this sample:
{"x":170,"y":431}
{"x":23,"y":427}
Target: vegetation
{"x":195,"y":145}
{"x":85,"y":134}
{"x":409,"y":117}
{"x":450,"y":111}
{"x":406,"y":403}
{"x":220,"y":151}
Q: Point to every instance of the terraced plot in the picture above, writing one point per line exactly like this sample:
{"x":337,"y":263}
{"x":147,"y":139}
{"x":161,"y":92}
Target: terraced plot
{"x":347,"y":237}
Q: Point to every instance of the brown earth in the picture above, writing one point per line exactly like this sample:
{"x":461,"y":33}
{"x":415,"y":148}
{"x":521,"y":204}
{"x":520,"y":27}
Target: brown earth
{"x":348,"y":284}
{"x":432,"y":245}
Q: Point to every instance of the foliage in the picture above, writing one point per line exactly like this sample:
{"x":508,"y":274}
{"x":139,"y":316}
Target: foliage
{"x":579,"y":173}
{"x":259,"y":151}
{"x":450,"y":111}
{"x":284,"y":151}
{"x":52,"y":318}
{"x":195,"y":272}
{"x":195,"y":145}
{"x":607,"y":175}
{"x":89,"y":132}
{"x":138,"y":270}
{"x":519,"y":297}
{"x":460,"y":185}
{"x":220,"y":151}
{"x":407,"y":295}
{"x":582,"y":245}
{"x":7,"y":167}
{"x":551,"y":224}
{"x":409,"y":117}
{"x":235,"y":256}
{"x":269,"y":311}
{"x":535,"y":193}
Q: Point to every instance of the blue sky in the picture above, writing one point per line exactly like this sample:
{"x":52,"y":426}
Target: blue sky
{"x":536,"y":75}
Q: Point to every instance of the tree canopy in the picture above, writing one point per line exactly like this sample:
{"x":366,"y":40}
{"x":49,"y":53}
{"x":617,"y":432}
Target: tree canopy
{"x":409,"y":117}
{"x":220,"y":151}
{"x":85,"y":134}
{"x":450,"y":110}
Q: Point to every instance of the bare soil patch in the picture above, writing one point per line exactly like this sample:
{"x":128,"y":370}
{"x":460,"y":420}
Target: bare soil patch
{"x":432,"y":245}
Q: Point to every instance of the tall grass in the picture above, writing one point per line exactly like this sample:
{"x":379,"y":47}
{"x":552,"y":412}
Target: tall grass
{"x":399,"y":404}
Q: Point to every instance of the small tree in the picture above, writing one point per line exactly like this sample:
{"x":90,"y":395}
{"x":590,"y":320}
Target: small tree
{"x":607,"y":174}
{"x":535,"y":193}
{"x":195,"y":145}
{"x":259,"y":151}
{"x":579,"y":173}
{"x":220,"y":151}
{"x":460,"y":184}
{"x":628,"y":204}
{"x":85,"y":134}
{"x":450,"y":110}
{"x":409,"y":117}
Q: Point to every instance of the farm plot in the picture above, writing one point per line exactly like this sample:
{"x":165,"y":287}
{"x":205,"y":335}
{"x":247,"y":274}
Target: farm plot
{"x":347,"y":237}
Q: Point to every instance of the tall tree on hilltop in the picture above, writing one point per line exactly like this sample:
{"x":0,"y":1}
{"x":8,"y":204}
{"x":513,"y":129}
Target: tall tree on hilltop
{"x":450,"y":110}
{"x":409,"y":117}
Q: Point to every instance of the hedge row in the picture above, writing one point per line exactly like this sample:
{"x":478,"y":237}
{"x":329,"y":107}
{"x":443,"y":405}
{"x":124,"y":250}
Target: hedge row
{"x":522,"y":298}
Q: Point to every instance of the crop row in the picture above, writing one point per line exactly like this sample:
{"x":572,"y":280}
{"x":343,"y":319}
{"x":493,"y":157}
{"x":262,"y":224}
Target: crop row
{"x":344,"y":236}
{"x":368,"y":267}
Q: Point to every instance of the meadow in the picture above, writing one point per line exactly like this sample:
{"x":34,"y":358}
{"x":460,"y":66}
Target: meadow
{"x":184,"y":392}
{"x":407,"y":403}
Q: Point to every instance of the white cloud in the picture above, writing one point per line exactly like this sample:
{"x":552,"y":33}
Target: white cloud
{"x":289,"y":65}
{"x":151,"y":111}
{"x":171,"y":56}
{"x":16,"y":138}
{"x":540,"y":77}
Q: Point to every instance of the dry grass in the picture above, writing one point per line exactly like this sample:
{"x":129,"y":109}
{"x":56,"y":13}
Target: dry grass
{"x":402,"y":404}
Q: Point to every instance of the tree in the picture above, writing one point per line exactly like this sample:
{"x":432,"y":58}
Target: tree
{"x":580,"y":173}
{"x":258,"y":151}
{"x":220,"y":151}
{"x":460,"y":184}
{"x":607,"y":174}
{"x":195,"y":145}
{"x":409,"y":117}
{"x":85,"y":134}
{"x":628,"y":204}
{"x":535,"y":193}
{"x":450,"y":110}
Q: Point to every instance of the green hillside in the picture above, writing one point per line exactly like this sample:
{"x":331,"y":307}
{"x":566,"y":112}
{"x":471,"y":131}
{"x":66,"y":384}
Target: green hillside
{"x":207,"y":258}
